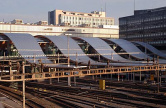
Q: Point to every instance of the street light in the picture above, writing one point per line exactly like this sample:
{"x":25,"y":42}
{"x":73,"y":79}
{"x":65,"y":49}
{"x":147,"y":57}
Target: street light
{"x":68,"y":47}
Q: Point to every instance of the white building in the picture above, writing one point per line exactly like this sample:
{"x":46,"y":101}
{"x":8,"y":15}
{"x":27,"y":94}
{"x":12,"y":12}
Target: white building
{"x":35,"y":29}
{"x":66,"y":18}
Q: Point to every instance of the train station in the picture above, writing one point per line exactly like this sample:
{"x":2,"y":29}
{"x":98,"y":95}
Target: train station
{"x":27,"y":59}
{"x":82,"y":59}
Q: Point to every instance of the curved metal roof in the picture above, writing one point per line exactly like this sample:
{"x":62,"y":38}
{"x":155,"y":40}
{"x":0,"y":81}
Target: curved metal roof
{"x":152,"y":49}
{"x":130,"y":48}
{"x":62,"y":43}
{"x":104,"y":49}
{"x":27,"y":47}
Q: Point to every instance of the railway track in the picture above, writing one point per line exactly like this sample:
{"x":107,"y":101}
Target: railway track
{"x":107,"y":97}
{"x":53,"y":98}
{"x":62,"y":100}
{"x":31,"y":101}
{"x":73,"y":100}
{"x":141,"y":92}
{"x":117,"y":94}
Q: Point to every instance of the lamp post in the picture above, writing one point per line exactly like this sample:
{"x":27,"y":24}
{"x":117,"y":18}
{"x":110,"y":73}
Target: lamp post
{"x":69,"y":78}
{"x":68,"y":47}
{"x":23,"y":84}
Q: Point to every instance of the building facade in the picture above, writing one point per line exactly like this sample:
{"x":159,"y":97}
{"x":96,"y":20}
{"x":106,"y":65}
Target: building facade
{"x":145,"y":25}
{"x":67,"y":18}
{"x":44,"y":29}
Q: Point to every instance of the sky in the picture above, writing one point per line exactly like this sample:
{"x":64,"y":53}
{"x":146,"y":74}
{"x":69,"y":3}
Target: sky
{"x":31,"y":11}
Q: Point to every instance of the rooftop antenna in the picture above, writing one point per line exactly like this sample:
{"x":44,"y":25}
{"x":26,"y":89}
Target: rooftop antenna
{"x":105,"y":7}
{"x":101,"y":5}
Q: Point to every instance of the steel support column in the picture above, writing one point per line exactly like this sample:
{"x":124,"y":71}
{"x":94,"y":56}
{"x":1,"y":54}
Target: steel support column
{"x":69,"y":81}
{"x":158,"y":85}
{"x":93,"y":77}
{"x":133,"y":77}
{"x":58,"y":77}
{"x":128,"y":76}
{"x":75,"y":81}
{"x":10,"y":70}
{"x":160,"y":80}
{"x":118,"y":76}
{"x":140,"y":77}
{"x":50,"y":78}
{"x":23,"y":84}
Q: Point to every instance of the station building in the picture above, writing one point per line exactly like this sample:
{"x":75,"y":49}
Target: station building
{"x":146,"y":26}
{"x":42,"y":28}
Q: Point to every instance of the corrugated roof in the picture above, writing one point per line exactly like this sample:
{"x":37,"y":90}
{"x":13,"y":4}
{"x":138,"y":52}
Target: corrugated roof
{"x":130,"y":48}
{"x":28,"y":47}
{"x":152,"y":49}
{"x":104,"y":49}
{"x":62,"y":43}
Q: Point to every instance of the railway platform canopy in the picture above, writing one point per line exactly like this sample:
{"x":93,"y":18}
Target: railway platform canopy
{"x":26,"y":46}
{"x":34,"y":51}
{"x":105,"y":50}
{"x":43,"y":57}
{"x":151,"y":48}
{"x":130,"y":47}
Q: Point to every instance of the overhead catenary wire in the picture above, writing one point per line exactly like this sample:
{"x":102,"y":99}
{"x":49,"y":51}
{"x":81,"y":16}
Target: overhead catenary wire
{"x":64,"y":55}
